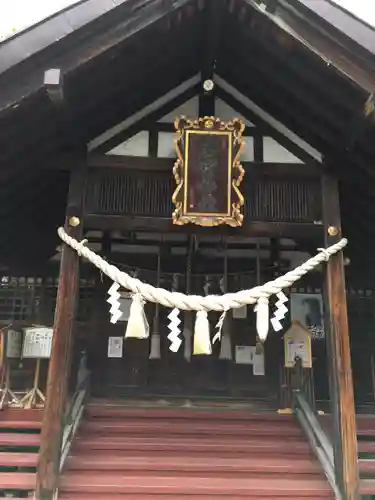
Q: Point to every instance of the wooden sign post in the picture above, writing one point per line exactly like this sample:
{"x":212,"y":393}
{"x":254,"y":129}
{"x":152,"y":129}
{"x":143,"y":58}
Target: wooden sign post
{"x":37,"y":345}
{"x":208,"y":172}
{"x":10,"y":348}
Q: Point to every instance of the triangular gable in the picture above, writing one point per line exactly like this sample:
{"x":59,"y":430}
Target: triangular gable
{"x":267,"y":140}
{"x":188,"y":108}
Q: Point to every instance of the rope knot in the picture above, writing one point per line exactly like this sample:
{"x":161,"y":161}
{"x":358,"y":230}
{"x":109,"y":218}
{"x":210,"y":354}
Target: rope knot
{"x":81,"y":245}
{"x":325,"y":253}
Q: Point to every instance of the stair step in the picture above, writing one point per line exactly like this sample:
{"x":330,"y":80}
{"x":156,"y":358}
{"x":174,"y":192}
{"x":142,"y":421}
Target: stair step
{"x":191,"y":445}
{"x":104,"y":496}
{"x":257,"y":428}
{"x":193,"y":464}
{"x":34,"y":415}
{"x":366,"y":431}
{"x":366,"y":447}
{"x":182,"y":413}
{"x":17,"y":480}
{"x":19,"y":439}
{"x":18,"y":459}
{"x":121,"y":483}
{"x":20,"y":424}
{"x":367,"y":487}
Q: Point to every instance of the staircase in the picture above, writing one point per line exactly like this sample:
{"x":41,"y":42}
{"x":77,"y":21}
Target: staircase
{"x":19,"y":444}
{"x":366,"y":455}
{"x":127,"y":453}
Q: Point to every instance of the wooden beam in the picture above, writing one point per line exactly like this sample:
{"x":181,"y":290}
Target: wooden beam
{"x":258,"y":168}
{"x":249,"y":115}
{"x":338,"y":347}
{"x":59,"y":365}
{"x":154,"y":116}
{"x":169,"y":127}
{"x":297,"y":170}
{"x":323,"y":46}
{"x":164,"y":225}
{"x":213,"y":16}
{"x":131,"y":19}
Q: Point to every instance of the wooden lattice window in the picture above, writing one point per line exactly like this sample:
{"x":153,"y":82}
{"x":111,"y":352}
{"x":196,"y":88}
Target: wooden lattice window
{"x":18,"y":298}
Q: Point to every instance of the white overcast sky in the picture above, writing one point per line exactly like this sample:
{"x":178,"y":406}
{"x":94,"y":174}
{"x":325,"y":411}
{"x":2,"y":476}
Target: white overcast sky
{"x":16,"y":15}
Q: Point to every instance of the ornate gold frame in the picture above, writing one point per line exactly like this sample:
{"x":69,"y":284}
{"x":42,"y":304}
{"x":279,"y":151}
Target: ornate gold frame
{"x":208,"y":125}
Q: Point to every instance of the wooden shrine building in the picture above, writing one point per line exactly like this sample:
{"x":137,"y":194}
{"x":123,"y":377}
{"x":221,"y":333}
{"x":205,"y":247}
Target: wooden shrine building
{"x":88,"y":102}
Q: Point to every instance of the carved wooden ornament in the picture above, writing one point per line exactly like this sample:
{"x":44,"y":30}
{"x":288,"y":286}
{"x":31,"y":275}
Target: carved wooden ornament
{"x":208,"y":173}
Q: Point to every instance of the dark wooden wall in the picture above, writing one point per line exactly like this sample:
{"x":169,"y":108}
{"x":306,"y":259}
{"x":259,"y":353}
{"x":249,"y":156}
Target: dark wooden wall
{"x":267,"y":197}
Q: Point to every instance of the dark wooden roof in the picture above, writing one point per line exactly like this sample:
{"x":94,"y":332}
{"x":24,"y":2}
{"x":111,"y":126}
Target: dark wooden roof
{"x":313,"y":71}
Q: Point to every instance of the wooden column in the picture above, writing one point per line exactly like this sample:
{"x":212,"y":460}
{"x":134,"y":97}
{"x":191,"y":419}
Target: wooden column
{"x":338,"y":351}
{"x":59,"y":365}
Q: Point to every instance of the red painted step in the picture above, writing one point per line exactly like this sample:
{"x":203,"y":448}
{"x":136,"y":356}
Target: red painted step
{"x":19,"y":439}
{"x":197,"y":445}
{"x":367,"y":487}
{"x":119,"y":483}
{"x":105,"y":496}
{"x":127,"y":453}
{"x":182,"y":413}
{"x":20,"y":459}
{"x":366,"y":446}
{"x":17,"y":480}
{"x":216,"y":465}
{"x":243,"y":429}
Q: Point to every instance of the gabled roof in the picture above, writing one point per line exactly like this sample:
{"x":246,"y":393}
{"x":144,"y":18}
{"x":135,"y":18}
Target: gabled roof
{"x":118,"y":56}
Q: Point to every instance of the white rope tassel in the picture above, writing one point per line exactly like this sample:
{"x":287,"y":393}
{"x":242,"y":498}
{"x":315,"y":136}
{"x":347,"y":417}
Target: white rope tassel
{"x":263,"y":320}
{"x":137,"y":326}
{"x":202,"y":341}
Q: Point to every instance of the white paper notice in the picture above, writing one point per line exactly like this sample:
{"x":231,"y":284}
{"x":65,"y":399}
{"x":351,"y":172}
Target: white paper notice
{"x":37,"y":342}
{"x":298,"y":349}
{"x":245,"y":354}
{"x":258,"y":365}
{"x":13,"y":344}
{"x":115,"y":347}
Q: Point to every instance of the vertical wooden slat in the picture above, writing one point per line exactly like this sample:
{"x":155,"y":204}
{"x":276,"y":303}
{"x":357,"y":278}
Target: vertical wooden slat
{"x":338,"y":347}
{"x":59,"y":366}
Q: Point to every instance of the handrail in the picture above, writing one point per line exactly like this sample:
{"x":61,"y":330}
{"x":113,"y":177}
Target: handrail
{"x":317,"y":438}
{"x":73,"y":417}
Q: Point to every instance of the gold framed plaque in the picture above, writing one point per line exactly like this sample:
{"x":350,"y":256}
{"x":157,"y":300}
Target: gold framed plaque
{"x":208,"y":172}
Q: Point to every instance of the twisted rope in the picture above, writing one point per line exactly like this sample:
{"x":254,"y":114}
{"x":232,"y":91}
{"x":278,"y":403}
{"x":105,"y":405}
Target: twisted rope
{"x":197,"y":302}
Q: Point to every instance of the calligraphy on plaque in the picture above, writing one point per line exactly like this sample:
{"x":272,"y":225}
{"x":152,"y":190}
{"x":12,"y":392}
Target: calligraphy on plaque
{"x":208,"y":173}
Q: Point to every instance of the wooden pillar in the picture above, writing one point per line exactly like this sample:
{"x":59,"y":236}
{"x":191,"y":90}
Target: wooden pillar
{"x":59,"y":365}
{"x":338,"y":351}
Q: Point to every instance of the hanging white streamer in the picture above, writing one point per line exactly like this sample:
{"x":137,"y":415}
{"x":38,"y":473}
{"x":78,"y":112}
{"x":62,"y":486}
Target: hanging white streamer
{"x":281,"y":311}
{"x":113,"y":299}
{"x":219,"y":327}
{"x":174,"y":335}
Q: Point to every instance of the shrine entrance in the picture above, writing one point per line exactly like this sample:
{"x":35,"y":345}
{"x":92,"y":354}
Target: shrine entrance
{"x":240,"y":368}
